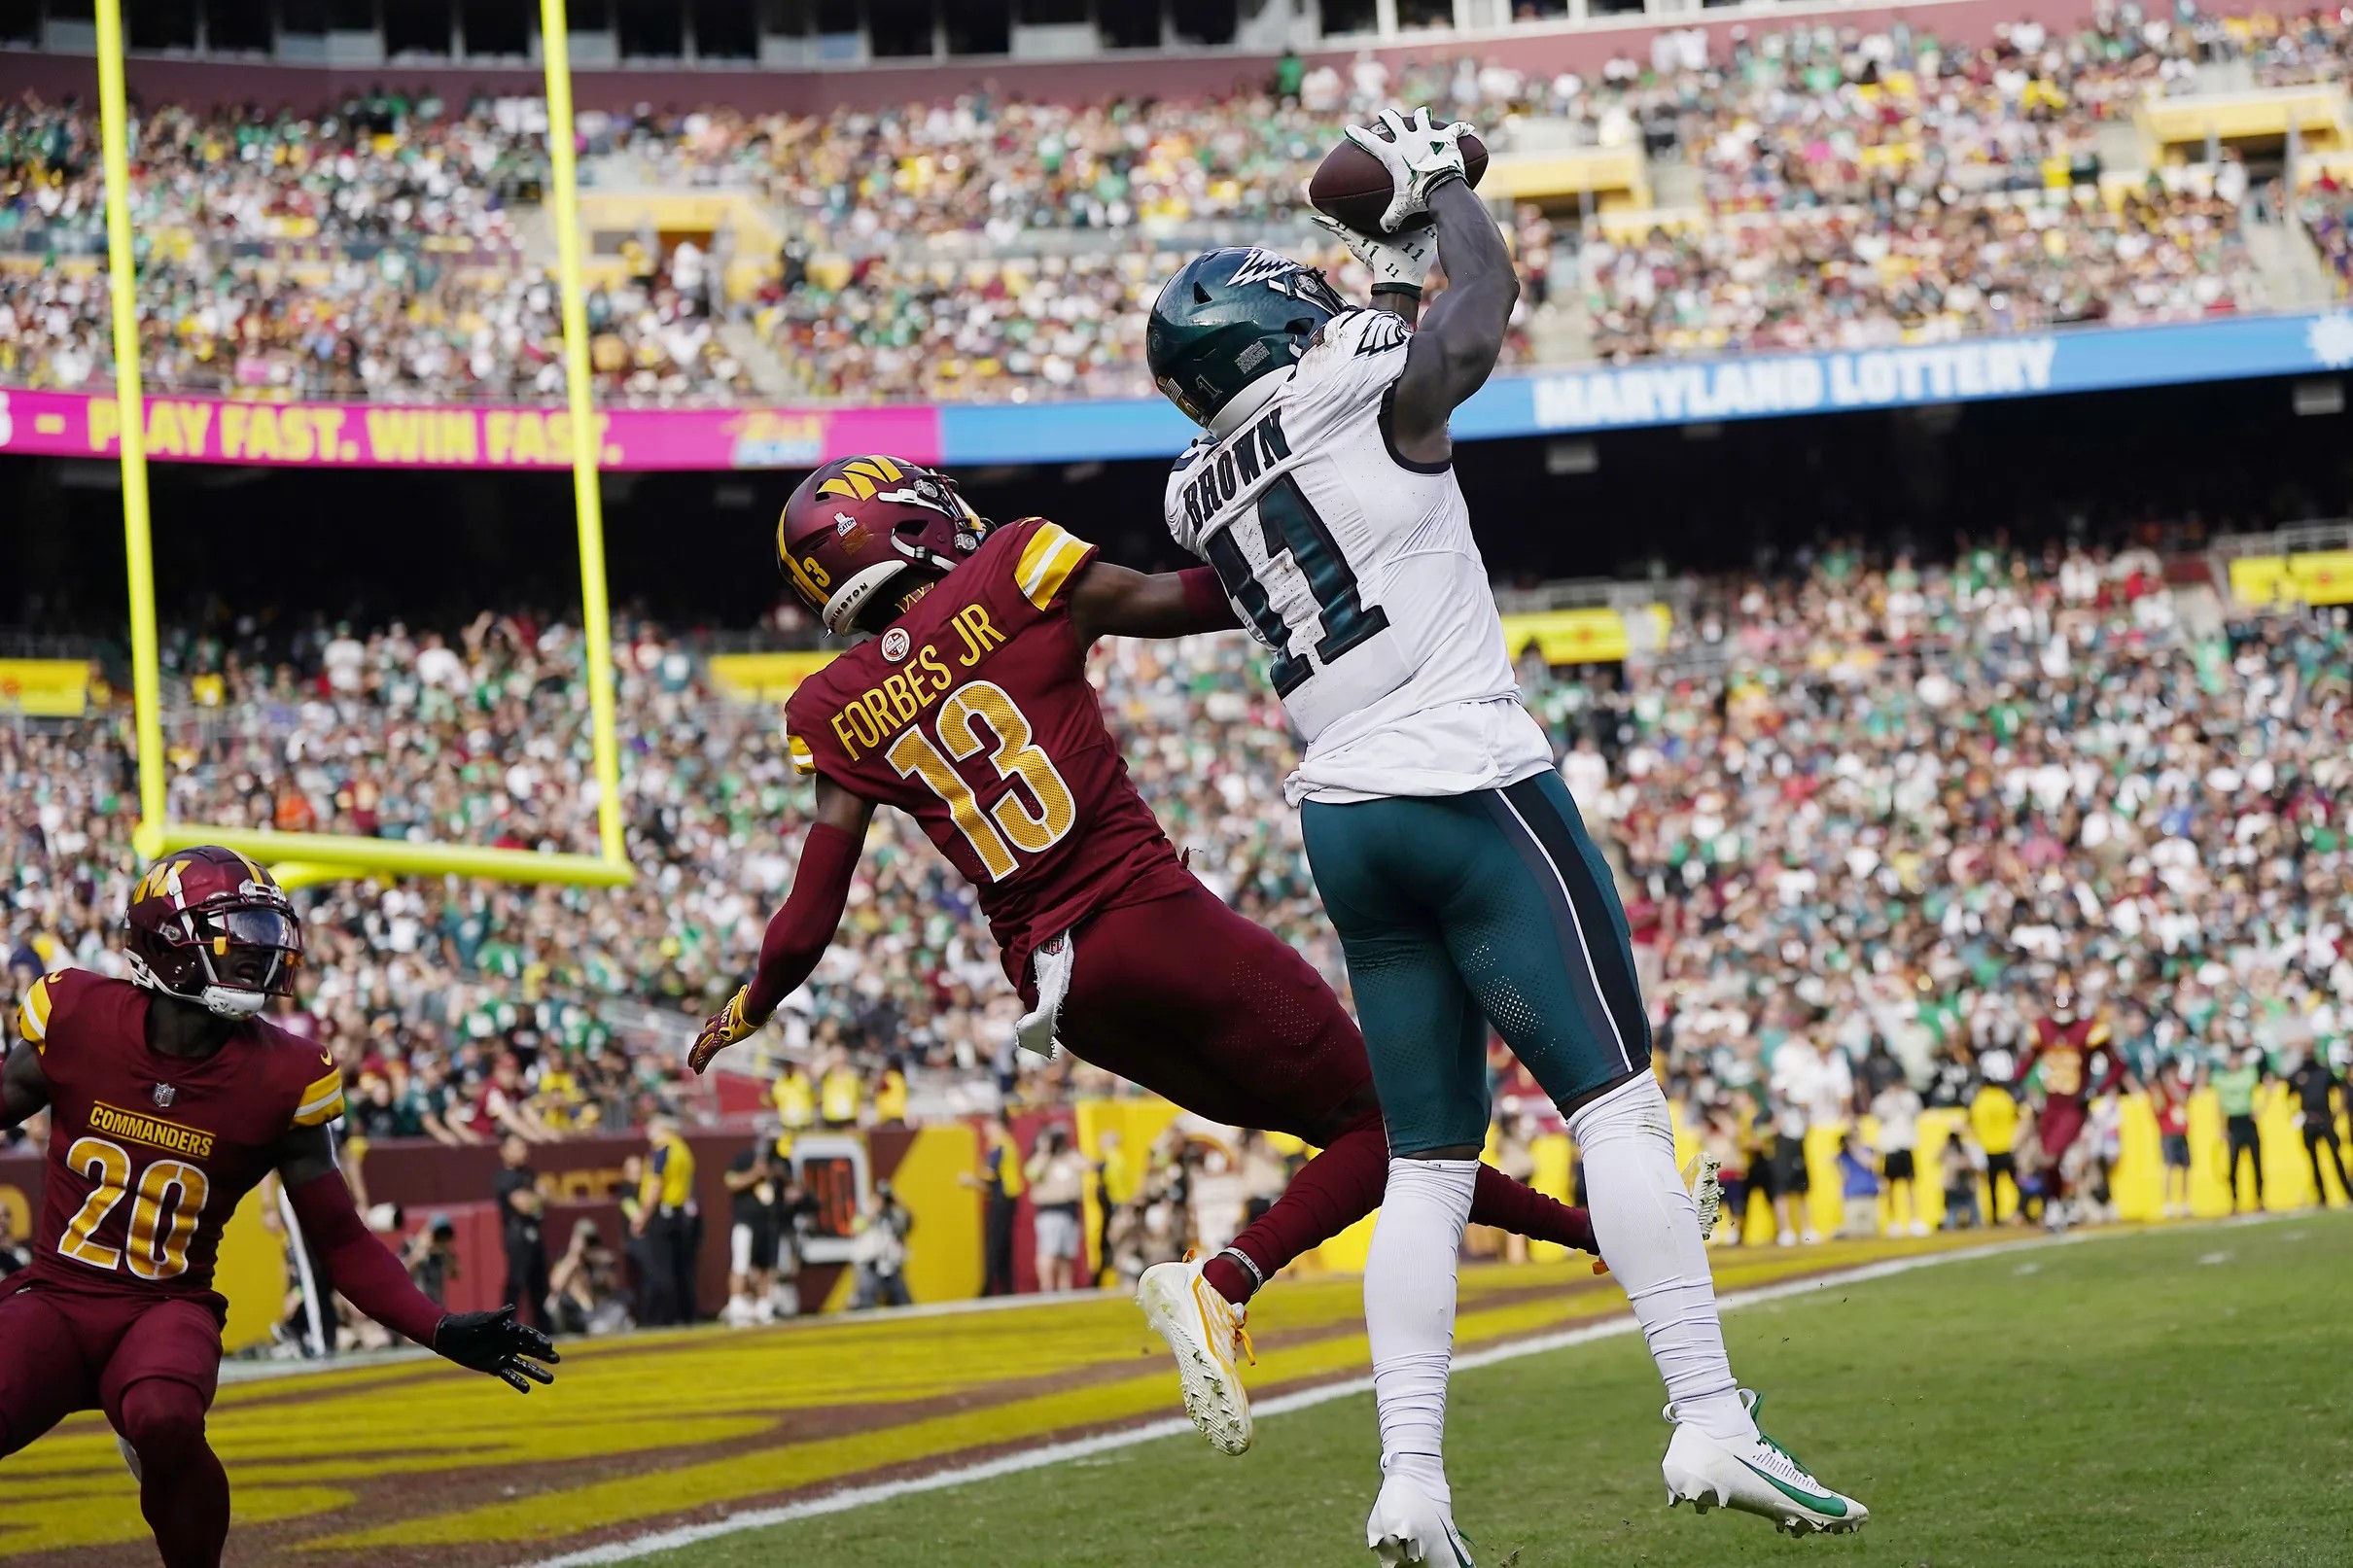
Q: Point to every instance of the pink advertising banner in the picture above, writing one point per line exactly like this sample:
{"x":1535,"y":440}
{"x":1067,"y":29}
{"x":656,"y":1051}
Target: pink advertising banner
{"x":386,"y":436}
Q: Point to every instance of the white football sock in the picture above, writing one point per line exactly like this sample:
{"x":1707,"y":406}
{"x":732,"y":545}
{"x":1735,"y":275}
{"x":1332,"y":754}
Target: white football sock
{"x":1409,"y":1312}
{"x":1648,"y":1230}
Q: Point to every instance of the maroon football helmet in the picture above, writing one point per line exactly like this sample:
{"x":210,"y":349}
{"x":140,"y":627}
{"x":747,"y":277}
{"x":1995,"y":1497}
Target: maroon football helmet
{"x":210,"y":926}
{"x":859,"y":522}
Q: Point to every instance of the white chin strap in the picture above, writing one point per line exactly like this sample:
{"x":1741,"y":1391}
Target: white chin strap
{"x":1245,"y":403}
{"x":221,"y":1001}
{"x":229,"y":1001}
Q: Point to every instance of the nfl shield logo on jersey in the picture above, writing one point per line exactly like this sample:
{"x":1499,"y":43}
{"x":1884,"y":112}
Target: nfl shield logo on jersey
{"x":164,"y":1094}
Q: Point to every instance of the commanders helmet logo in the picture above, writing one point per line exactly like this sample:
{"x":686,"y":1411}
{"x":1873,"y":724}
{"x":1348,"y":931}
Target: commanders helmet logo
{"x":862,"y":480}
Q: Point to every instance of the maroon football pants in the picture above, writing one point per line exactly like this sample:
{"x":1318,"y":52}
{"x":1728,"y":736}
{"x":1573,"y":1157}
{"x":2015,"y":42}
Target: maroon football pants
{"x":1218,"y":1015}
{"x":1192,"y":1002}
{"x":152,"y":1366}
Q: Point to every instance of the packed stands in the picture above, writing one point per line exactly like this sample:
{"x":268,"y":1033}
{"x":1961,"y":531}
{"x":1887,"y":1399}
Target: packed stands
{"x":1835,"y":277}
{"x":366,"y":253}
{"x":1871,"y":800}
{"x":1829,"y":185}
{"x":2328,"y":216}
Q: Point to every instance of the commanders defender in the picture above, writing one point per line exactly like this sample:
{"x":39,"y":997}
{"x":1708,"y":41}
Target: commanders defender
{"x":1447,"y":852}
{"x":2068,"y":1049}
{"x":169,"y":1098}
{"x":970,"y":709}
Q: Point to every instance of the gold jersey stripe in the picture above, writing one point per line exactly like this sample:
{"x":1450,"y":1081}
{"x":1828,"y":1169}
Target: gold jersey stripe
{"x":32,"y":1015}
{"x":803,"y":761}
{"x":1046,"y":563}
{"x":322,"y":1110}
{"x":322,"y":1102}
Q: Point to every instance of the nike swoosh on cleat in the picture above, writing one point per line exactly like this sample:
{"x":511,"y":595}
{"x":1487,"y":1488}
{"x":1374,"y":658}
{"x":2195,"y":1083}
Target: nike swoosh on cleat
{"x":1835,"y":1507}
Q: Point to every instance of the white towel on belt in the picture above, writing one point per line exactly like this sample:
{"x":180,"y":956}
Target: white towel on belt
{"x":1050,"y":966}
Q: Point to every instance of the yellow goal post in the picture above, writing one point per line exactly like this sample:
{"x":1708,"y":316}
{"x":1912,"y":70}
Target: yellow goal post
{"x":299,"y":858}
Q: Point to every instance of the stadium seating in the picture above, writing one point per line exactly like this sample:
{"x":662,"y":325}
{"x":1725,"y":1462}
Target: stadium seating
{"x":1893,"y":797}
{"x":1809,"y":185}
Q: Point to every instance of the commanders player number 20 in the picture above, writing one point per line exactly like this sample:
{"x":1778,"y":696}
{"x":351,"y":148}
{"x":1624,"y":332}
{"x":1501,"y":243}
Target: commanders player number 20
{"x":163,"y":1217}
{"x":1009,"y":825}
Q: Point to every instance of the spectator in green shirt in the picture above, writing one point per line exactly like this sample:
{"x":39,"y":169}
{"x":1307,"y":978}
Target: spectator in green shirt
{"x":1289,"y":72}
{"x":2234,"y":1086}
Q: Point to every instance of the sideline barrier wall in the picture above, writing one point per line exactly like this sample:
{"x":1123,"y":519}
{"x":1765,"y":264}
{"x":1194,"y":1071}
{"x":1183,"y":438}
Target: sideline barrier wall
{"x":582,"y":1179}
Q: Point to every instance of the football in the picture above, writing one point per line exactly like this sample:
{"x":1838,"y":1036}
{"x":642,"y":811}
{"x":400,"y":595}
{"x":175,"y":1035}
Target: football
{"x":1351,"y":184}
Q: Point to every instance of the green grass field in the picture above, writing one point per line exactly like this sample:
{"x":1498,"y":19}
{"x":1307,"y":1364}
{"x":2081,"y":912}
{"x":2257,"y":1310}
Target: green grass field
{"x":2179,"y":1397}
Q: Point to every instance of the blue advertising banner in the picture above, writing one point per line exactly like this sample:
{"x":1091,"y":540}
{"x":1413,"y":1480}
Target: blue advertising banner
{"x":1673,"y":391}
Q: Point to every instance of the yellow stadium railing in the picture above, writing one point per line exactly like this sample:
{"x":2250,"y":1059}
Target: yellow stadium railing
{"x":311,"y":857}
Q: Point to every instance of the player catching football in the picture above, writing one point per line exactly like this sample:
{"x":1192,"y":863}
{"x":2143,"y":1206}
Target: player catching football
{"x":1446,"y":850}
{"x":169,"y":1098}
{"x":968,"y":707}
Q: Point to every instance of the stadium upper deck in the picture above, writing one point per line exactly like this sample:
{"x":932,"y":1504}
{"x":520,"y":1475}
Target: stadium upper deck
{"x":1865,"y":196}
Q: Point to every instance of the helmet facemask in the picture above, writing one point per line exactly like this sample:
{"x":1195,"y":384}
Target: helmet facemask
{"x":229,"y":960}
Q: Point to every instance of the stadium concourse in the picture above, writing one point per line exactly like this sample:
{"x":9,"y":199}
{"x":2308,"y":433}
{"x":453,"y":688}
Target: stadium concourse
{"x":1803,"y":185}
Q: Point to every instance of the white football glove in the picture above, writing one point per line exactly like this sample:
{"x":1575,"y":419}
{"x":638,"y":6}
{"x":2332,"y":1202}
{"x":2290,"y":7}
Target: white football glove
{"x":1417,"y":154}
{"x":1399,"y":264}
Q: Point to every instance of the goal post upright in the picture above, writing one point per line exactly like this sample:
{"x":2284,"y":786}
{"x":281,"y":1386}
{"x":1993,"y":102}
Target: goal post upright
{"x":138,"y":541}
{"x":596,"y":624}
{"x":306,"y":859}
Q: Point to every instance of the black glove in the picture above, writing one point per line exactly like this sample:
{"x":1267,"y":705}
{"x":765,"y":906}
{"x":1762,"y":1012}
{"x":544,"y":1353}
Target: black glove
{"x":496,"y":1343}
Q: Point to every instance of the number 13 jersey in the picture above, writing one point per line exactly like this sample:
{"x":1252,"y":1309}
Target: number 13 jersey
{"x":972,"y":714}
{"x":1356,"y":567}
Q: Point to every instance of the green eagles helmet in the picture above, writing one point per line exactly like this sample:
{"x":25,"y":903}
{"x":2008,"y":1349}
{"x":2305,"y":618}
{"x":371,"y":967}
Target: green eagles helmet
{"x":1229,"y":318}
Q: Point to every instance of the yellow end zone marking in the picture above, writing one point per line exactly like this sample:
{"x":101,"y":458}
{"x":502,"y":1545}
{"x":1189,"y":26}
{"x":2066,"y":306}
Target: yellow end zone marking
{"x":790,"y":1467}
{"x":110,"y":1516}
{"x":285,"y":1441}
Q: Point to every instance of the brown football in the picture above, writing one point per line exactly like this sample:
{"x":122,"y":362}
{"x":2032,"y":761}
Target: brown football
{"x":1352,"y":186}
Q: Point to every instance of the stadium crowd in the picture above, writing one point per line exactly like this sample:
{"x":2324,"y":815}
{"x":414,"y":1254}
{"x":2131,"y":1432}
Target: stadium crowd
{"x":1881,"y":805}
{"x":1852,"y":185}
{"x":2328,"y":216}
{"x":1837,"y":278}
{"x":369,"y":252}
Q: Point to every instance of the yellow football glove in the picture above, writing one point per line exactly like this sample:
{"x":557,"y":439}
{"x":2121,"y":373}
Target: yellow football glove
{"x":722,"y":1029}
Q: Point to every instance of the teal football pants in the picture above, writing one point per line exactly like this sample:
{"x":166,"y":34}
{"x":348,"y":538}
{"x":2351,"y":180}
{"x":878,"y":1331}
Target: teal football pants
{"x":1455,"y":911}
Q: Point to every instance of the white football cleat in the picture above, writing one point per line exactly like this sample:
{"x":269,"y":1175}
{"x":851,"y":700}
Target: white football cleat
{"x":1205,"y":1332}
{"x":1756,"y":1475}
{"x":1407,"y":1529}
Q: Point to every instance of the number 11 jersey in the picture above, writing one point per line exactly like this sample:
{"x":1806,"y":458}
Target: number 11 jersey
{"x":972,"y":714}
{"x":1356,"y":567}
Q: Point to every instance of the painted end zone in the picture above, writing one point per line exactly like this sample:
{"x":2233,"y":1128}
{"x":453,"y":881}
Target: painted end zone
{"x":411,"y":1464}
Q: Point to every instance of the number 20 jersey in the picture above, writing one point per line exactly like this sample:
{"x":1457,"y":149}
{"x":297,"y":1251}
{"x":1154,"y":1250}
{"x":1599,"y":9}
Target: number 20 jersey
{"x":1355,"y":566}
{"x":972,"y":714}
{"x":148,"y":1153}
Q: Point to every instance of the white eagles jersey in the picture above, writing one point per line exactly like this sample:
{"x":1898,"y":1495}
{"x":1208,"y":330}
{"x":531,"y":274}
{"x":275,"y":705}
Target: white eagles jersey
{"x":1356,"y":569}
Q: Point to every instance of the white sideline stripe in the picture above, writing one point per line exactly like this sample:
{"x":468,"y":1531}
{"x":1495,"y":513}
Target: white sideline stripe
{"x":1056,"y":1454}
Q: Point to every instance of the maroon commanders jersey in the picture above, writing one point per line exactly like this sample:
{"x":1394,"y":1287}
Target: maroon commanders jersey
{"x":972,"y":714}
{"x":148,"y":1153}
